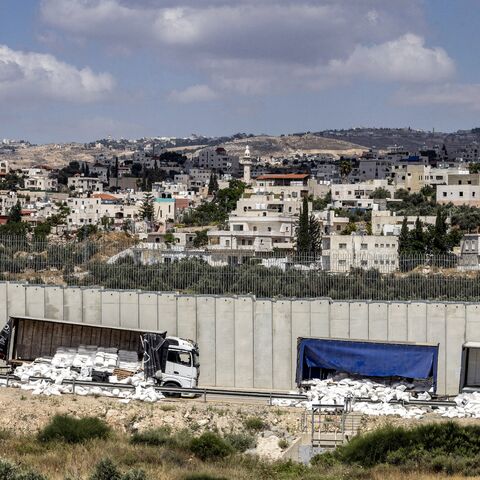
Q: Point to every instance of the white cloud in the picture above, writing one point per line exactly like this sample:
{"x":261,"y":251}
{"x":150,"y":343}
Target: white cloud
{"x":451,"y":94}
{"x":405,"y":59}
{"x":194,"y":93}
{"x":258,"y":46}
{"x":32,"y":75}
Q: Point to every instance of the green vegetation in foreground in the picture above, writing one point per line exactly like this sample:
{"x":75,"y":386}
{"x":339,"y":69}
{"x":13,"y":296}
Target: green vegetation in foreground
{"x":436,"y":447}
{"x":93,"y":453}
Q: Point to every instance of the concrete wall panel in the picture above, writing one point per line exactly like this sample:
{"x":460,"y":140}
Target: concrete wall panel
{"x":359,"y":320}
{"x":15,"y":299}
{"x":340,"y":320}
{"x":3,"y":305}
{"x":72,"y":305}
{"x":472,"y":332}
{"x":378,"y":321}
{"x":397,"y":322}
{"x":417,"y":322}
{"x":54,"y":302}
{"x":320,"y":318}
{"x":92,"y":306}
{"x":300,"y":326}
{"x":244,"y":362}
{"x":111,"y":308}
{"x":35,"y":301}
{"x":225,"y":341}
{"x":436,"y":333}
{"x":284,"y":343}
{"x":187,"y":317}
{"x":263,"y":354}
{"x":206,"y":339}
{"x":147,"y":311}
{"x":455,"y":338}
{"x":167,"y":313}
{"x":129,"y":309}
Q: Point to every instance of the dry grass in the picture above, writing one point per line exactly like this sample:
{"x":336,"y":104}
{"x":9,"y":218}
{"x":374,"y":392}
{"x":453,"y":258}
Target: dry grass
{"x":58,"y":461}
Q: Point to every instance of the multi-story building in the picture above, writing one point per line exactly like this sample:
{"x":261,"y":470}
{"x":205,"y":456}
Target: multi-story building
{"x":217,"y":159}
{"x":358,"y":194}
{"x":39,"y":179}
{"x":385,"y":222}
{"x":82,"y":184}
{"x":340,"y":253}
{"x":460,"y":190}
{"x":259,"y":223}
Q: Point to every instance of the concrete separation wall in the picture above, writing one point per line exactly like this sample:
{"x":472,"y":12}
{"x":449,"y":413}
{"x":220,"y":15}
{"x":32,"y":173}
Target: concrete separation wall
{"x":251,"y":343}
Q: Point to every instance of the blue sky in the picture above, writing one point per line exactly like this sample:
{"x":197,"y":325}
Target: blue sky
{"x":77,"y":70}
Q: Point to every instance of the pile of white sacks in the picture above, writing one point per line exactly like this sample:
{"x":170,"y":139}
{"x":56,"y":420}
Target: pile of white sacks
{"x":78,"y":364}
{"x":336,"y":391}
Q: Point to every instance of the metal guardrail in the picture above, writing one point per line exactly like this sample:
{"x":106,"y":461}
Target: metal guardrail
{"x":198,"y":392}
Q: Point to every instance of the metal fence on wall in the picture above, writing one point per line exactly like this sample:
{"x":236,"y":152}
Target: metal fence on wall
{"x":132,"y":265}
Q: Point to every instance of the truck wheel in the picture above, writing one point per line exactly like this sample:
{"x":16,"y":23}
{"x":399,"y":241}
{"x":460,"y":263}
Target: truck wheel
{"x":172,"y":394}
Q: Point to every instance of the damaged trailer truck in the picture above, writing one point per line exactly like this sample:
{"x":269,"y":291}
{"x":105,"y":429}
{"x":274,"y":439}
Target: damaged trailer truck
{"x":320,"y":358}
{"x":171,"y":361}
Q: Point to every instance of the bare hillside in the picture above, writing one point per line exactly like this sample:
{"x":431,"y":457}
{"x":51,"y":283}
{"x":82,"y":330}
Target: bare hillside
{"x":270,"y":146}
{"x":55,"y":155}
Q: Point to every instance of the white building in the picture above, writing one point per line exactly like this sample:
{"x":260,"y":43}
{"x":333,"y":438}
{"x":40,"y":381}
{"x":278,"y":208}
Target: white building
{"x":358,"y":194}
{"x":344,"y":252}
{"x":259,"y":223}
{"x":83,"y":184}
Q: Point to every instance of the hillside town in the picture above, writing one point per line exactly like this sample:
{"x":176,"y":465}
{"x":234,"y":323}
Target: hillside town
{"x":361,"y":211}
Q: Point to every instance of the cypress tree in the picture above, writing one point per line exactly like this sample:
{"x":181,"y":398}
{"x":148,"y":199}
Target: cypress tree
{"x":303,"y":230}
{"x":404,"y":238}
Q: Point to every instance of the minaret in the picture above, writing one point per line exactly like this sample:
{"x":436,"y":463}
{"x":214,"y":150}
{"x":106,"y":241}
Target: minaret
{"x":247,"y":163}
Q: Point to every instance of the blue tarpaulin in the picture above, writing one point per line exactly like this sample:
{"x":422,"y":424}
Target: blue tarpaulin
{"x":369,"y":359}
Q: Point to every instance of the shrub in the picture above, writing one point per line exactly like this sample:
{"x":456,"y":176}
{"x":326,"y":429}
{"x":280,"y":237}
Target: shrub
{"x":72,"y":430}
{"x":283,"y":444}
{"x":254,"y":423}
{"x":441,"y":447}
{"x":107,"y":470}
{"x":156,"y":437}
{"x":241,"y":442}
{"x":10,"y":471}
{"x":210,"y":446}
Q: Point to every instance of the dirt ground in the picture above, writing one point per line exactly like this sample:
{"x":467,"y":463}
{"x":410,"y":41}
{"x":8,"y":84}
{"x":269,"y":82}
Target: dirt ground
{"x":26,"y":413}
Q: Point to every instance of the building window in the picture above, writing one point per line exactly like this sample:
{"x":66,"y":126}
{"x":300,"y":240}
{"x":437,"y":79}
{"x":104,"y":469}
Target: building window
{"x":342,"y":246}
{"x":363,"y":246}
{"x":460,"y":194}
{"x":444,"y":194}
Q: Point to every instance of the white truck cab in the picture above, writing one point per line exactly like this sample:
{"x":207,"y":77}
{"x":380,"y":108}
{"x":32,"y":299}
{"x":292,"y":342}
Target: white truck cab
{"x":182,"y":368}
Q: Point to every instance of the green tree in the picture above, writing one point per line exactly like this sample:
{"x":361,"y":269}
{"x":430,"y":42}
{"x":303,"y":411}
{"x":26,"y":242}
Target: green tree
{"x":136,"y":169}
{"x":15,"y":214}
{"x":86,"y":231}
{"x":418,"y":238}
{"x":474,"y":167}
{"x":147,"y":211}
{"x":345,"y":169}
{"x":169,"y":238}
{"x":315,"y":234}
{"x":42,"y":230}
{"x":404,"y":245}
{"x":350,"y":227}
{"x":303,"y":235}
{"x":201,"y":239}
{"x":380,"y":193}
{"x":438,"y":242}
{"x":212,"y":184}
